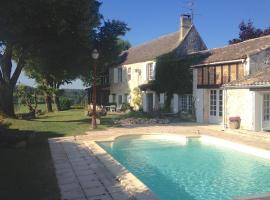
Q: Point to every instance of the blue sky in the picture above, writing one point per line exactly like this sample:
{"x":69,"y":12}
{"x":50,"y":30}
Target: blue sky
{"x":216,"y":20}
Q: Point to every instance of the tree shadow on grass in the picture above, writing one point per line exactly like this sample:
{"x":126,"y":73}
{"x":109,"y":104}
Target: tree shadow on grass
{"x":27,"y":170}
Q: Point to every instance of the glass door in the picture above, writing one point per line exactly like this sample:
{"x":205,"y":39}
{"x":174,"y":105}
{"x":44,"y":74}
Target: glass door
{"x":215,"y":106}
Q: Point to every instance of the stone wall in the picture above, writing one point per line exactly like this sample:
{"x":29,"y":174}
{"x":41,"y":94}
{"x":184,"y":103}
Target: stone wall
{"x":239,"y":102}
{"x":191,"y":43}
{"x":259,"y":61}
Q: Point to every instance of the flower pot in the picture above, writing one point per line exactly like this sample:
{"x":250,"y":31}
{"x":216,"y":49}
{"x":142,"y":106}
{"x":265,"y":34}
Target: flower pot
{"x":234,"y":124}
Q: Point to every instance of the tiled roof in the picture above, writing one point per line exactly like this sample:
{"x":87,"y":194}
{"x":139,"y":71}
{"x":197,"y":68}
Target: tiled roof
{"x":235,"y":51}
{"x":152,"y":49}
{"x":259,"y":79}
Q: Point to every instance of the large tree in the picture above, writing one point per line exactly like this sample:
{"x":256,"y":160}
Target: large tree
{"x":53,"y":69}
{"x":40,"y":29}
{"x":249,"y":31}
{"x":109,"y":44}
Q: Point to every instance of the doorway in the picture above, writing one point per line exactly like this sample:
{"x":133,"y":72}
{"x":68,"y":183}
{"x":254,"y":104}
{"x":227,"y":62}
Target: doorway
{"x":215,"y":106}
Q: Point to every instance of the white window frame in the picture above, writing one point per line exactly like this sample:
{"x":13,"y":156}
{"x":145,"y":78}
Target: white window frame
{"x":113,"y":98}
{"x":213,"y":103}
{"x":266,"y":107}
{"x":150,"y":71}
{"x":129,"y":74}
{"x":120,"y":99}
{"x":220,"y":103}
{"x":120,"y":75}
{"x":185,"y":103}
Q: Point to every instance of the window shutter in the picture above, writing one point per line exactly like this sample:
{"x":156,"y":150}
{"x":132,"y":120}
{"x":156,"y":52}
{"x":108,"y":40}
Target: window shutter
{"x":124,"y":75}
{"x":110,"y":98}
{"x":146,"y":72}
{"x":154,"y":71}
{"x":115,"y":75}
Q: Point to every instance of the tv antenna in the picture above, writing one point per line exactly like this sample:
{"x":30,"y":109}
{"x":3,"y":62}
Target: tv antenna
{"x":189,"y":5}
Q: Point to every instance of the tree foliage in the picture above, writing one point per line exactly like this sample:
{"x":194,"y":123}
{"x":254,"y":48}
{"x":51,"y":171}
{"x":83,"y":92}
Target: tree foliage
{"x":52,"y":40}
{"x":137,"y":98}
{"x":28,"y":96}
{"x":109,"y":45}
{"x":249,"y":31}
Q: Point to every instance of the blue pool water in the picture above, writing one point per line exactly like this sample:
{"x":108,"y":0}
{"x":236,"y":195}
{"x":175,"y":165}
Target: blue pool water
{"x":194,"y":171}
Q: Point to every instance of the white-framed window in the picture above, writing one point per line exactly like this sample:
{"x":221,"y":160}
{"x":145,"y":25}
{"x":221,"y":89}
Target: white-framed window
{"x":266,"y":107}
{"x":220,"y":103}
{"x":150,"y":71}
{"x":129,"y":74}
{"x":113,"y":98}
{"x":185,"y":103}
{"x":120,"y":100}
{"x":213,"y":102}
{"x":126,"y":98}
{"x":120,"y":74}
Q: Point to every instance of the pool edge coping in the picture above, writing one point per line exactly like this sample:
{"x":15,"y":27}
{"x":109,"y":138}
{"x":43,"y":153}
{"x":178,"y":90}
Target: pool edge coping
{"x":130,"y":183}
{"x":126,"y":177}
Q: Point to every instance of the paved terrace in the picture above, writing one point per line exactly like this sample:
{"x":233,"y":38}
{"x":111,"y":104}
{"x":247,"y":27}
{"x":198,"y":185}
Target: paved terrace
{"x":86,"y":172}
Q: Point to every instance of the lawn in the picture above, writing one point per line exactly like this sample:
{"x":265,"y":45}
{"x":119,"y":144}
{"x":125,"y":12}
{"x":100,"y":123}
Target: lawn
{"x":27,"y":172}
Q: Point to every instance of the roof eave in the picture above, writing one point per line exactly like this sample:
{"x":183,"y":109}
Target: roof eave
{"x":245,"y":86}
{"x":242,"y":60}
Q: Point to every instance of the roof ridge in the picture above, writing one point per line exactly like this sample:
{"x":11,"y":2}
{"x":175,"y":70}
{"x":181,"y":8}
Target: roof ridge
{"x":246,"y":41}
{"x":249,"y":40}
{"x":153,"y":40}
{"x":229,"y":45}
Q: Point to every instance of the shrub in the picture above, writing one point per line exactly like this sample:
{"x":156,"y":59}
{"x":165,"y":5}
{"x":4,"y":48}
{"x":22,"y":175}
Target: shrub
{"x":65,"y":103}
{"x":137,"y":98}
{"x":125,"y":107}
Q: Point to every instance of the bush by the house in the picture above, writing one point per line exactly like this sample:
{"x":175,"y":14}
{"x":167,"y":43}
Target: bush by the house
{"x":125,"y":107}
{"x":65,"y":103}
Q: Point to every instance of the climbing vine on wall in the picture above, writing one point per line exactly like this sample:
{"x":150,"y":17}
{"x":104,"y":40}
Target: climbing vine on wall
{"x":174,"y":75}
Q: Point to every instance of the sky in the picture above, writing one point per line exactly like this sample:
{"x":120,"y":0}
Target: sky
{"x":216,"y":20}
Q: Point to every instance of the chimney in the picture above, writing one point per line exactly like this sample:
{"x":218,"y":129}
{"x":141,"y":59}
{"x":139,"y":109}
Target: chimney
{"x":185,"y":24}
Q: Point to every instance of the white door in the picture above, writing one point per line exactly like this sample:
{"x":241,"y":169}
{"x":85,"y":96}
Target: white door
{"x":215,"y":106}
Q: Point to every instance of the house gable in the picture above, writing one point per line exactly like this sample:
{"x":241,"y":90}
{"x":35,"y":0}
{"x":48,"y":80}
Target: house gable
{"x":191,"y":43}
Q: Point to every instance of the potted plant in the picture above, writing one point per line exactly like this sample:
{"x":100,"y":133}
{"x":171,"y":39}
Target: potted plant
{"x":234,"y":122}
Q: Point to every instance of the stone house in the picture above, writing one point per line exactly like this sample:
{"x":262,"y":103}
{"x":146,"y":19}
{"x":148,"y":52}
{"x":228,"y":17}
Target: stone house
{"x":138,"y":66}
{"x":234,"y":81}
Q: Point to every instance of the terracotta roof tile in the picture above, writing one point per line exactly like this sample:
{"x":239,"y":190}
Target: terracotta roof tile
{"x":259,"y":79}
{"x":235,"y":51}
{"x":152,"y":49}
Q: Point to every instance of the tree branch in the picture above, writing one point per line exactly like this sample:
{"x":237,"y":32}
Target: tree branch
{"x":6,"y":63}
{"x":18,"y":70}
{"x":1,"y":77}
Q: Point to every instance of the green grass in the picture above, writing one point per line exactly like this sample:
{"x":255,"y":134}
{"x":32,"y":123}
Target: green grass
{"x":27,"y":173}
{"x":64,"y":123}
{"x":20,"y":108}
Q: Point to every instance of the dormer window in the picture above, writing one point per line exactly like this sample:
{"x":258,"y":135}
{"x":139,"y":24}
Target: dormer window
{"x":150,"y":71}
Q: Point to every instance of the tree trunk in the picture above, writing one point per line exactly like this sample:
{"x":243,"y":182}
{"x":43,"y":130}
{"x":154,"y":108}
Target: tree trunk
{"x":57,"y":102}
{"x":6,"y":100}
{"x":48,"y":101}
{"x":8,"y":80}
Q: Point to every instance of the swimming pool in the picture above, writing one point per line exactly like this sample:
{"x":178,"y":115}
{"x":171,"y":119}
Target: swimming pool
{"x":189,"y":169}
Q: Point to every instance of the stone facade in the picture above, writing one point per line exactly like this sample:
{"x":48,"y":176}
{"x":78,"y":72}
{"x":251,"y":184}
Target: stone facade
{"x":191,"y":43}
{"x":187,"y":41}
